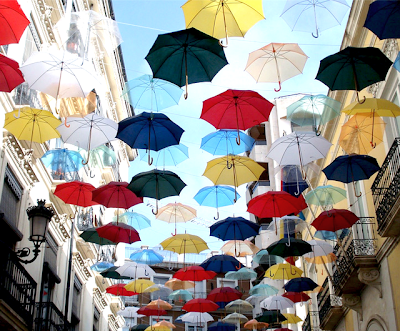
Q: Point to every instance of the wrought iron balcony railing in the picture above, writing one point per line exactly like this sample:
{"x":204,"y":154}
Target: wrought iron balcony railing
{"x":49,"y":318}
{"x":307,"y":323}
{"x":17,"y":287}
{"x":386,"y":187}
{"x":329,"y":301}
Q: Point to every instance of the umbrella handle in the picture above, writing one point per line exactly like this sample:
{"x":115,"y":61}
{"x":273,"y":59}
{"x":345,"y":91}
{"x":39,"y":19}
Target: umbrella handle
{"x":186,"y":86}
{"x":65,"y":123}
{"x":222,"y":45}
{"x":19,"y":113}
{"x":355,"y":192}
{"x":155,"y":212}
{"x":87,"y":161}
{"x":358,"y":99}
{"x":280,"y":87}
{"x":216,"y":218}
{"x":240,"y":266}
{"x":229,"y":166}
{"x":149,"y":159}
{"x":238,"y":139}
{"x":90,"y":174}
{"x":315,"y":36}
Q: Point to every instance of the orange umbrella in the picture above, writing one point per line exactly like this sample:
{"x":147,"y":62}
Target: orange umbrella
{"x":255,"y":325}
{"x":159,"y":304}
{"x":164,"y":324}
{"x":239,"y":248}
{"x":176,"y":284}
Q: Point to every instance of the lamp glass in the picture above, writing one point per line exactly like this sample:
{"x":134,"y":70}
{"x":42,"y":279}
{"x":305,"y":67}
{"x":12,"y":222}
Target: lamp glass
{"x":38,"y":228}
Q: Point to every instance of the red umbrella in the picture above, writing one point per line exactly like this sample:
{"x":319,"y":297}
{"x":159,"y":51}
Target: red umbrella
{"x":274,"y":204}
{"x":334,"y":220}
{"x":119,"y":289}
{"x":296,"y":296}
{"x":200,"y":305}
{"x":302,"y":202}
{"x":10,"y":75}
{"x":224,"y":294}
{"x":236,"y":109}
{"x":13,"y":22}
{"x":194,"y":273}
{"x":116,"y":195}
{"x":76,"y":193}
{"x":151,"y":311}
{"x":118,"y":233}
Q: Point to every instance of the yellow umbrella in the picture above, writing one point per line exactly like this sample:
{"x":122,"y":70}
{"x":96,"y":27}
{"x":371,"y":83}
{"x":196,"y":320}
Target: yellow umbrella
{"x":380,"y":107}
{"x":176,"y":213}
{"x":233,"y":170}
{"x":139,"y":285}
{"x":331,"y":257}
{"x":159,"y":304}
{"x":239,"y":248}
{"x":283,"y":271}
{"x":177,"y":284}
{"x":34,"y":125}
{"x":164,"y":323}
{"x":184,"y":243}
{"x":220,"y":18}
{"x":359,"y":133}
{"x":291,"y":319}
{"x":159,"y":328}
{"x":316,"y":290}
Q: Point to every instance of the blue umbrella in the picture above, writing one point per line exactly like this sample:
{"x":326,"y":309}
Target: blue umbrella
{"x":234,"y":228}
{"x":146,"y":256}
{"x":242,"y":274}
{"x":221,"y":326}
{"x":329,"y":235}
{"x":168,"y":156}
{"x":263,"y":290}
{"x":292,"y":179}
{"x":148,"y":93}
{"x":149,"y":131}
{"x":62,"y":161}
{"x":294,"y":189}
{"x":179,"y":319}
{"x":221,"y":263}
{"x":223,"y":142}
{"x":216,"y":196}
{"x":180,"y":295}
{"x":396,"y":63}
{"x":101,"y":266}
{"x":300,"y":284}
{"x":383,"y":19}
{"x":136,"y":220}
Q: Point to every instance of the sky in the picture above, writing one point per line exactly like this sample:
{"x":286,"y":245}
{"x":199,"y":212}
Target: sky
{"x":140,"y":22}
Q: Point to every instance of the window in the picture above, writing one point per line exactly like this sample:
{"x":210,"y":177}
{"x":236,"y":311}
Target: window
{"x":51,"y":251}
{"x":160,"y":280}
{"x":96,"y":319}
{"x":194,"y":327}
{"x":76,"y":298}
{"x":130,"y":321}
{"x":11,"y":197}
{"x":223,"y":282}
{"x":155,"y":319}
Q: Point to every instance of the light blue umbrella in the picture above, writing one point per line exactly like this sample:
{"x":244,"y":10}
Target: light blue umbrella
{"x":62,"y":161}
{"x":263,"y":290}
{"x":241,"y":274}
{"x":101,"y":266}
{"x":216,"y":196}
{"x":180,"y":295}
{"x":146,"y":256}
{"x":263,"y":257}
{"x":148,"y":93}
{"x":169,"y":156}
{"x":223,"y":142}
{"x":396,"y":63}
{"x":329,"y":235}
{"x":136,"y":220}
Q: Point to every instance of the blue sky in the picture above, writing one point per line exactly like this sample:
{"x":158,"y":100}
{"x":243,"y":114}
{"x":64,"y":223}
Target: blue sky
{"x":140,"y":22}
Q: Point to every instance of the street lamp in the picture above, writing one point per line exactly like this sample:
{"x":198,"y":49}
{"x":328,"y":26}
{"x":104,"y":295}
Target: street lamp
{"x":39,"y":217}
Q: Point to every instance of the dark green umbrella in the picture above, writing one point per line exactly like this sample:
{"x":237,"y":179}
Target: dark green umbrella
{"x":353,"y":68}
{"x":111,"y":273}
{"x":185,"y":57}
{"x":271,"y":317}
{"x":91,"y":235}
{"x":139,"y":327}
{"x":157,"y":184}
{"x":289,"y":247}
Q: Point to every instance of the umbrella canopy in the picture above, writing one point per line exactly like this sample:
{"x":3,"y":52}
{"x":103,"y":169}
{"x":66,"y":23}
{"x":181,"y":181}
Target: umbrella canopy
{"x":236,"y":228}
{"x":185,"y":57}
{"x":383,"y":19}
{"x":283,"y":271}
{"x":200,"y":305}
{"x":240,"y":306}
{"x":221,"y":264}
{"x":100,"y":157}
{"x":335,"y":219}
{"x":286,"y":247}
{"x":353,"y":68}
{"x":13,"y":22}
{"x":223,"y":142}
{"x":177,"y":284}
{"x":164,"y":324}
{"x":10,"y":74}
{"x":314,"y":16}
{"x":290,"y":319}
{"x":136,"y":220}
{"x":255,"y":325}
{"x":331,"y":257}
{"x":118,"y":233}
{"x":263,"y":290}
{"x":152,"y":311}
{"x":194,"y":273}
{"x":112,"y":273}
{"x":150,"y":131}
{"x":241,"y":274}
{"x":263,"y":257}
{"x":168,"y":156}
{"x":101,"y":266}
{"x":91,"y":235}
{"x":380,"y":107}
{"x":139,"y":285}
{"x":119,"y":290}
{"x":176,"y":213}
{"x":148,"y":93}
{"x":196,"y":317}
{"x":224,"y":294}
{"x":319,"y":248}
{"x":235,"y":318}
{"x":62,"y":161}
{"x":325,"y":195}
{"x":180,"y":295}
{"x":184,"y":243}
{"x":221,"y":326}
{"x":139,"y":327}
{"x":76,"y":193}
{"x":115,"y":195}
{"x":288,"y":225}
{"x":159,"y":304}
{"x":135,"y":270}
{"x":276,"y":62}
{"x":146,"y":256}
{"x":129,"y":312}
{"x":271,"y":317}
{"x":277,"y":302}
{"x":296,"y":297}
{"x":158,"y":287}
{"x":239,"y":248}
{"x":300,"y":284}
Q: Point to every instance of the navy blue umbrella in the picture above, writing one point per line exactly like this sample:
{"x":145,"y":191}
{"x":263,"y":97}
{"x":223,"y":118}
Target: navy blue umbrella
{"x":221,"y":326}
{"x":294,"y":189}
{"x":383,"y":19}
{"x":221,"y":264}
{"x":300,"y":284}
{"x":234,"y":228}
{"x":151,"y":131}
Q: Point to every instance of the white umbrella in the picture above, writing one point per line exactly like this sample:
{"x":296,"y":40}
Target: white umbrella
{"x":129,"y":312}
{"x":239,"y":305}
{"x":135,"y":270}
{"x":255,"y":299}
{"x":292,"y":224}
{"x":235,"y":318}
{"x":195,"y":317}
{"x":277,"y":302}
{"x":319,"y":247}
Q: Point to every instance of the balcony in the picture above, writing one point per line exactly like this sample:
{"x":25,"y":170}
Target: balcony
{"x":386,"y":193}
{"x":17,"y":292}
{"x":311,"y":322}
{"x":49,"y":318}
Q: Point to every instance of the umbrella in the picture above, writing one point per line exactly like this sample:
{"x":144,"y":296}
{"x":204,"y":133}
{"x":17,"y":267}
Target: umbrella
{"x":236,"y":228}
{"x":194,"y":273}
{"x":135,"y":270}
{"x":100,"y":157}
{"x":148,"y":93}
{"x":292,"y":177}
{"x":239,"y":305}
{"x":112,"y":273}
{"x":168,"y":156}
{"x":383,"y":19}
{"x":296,"y":297}
{"x":331,"y":257}
{"x":180,"y":295}
{"x":177,"y":284}
{"x":300,"y":284}
{"x":351,"y":168}
{"x":314,"y":110}
{"x":91,"y":235}
{"x":353,"y":69}
{"x":10,"y":74}
{"x":271,"y":317}
{"x":221,"y":264}
{"x":76,"y":193}
{"x":288,"y":225}
{"x":263,"y":257}
{"x":146,"y":256}
{"x":359,"y":133}
{"x":283,"y":271}
{"x":319,"y":248}
{"x":139,"y":327}
{"x":224,"y":294}
{"x":176,"y":213}
{"x":200,"y":305}
{"x":290,"y":319}
{"x":120,"y":290}
{"x":118,"y":233}
{"x":325,"y":195}
{"x":101,"y":266}
{"x":255,"y":325}
{"x":159,"y":304}
{"x":151,"y":311}
{"x":156,"y":184}
{"x":233,"y":170}
{"x":13,"y":22}
{"x":34,"y":125}
{"x":88,"y":132}
{"x":314,"y":15}
{"x":185,"y":57}
{"x":287,"y":247}
{"x":263,"y":290}
{"x":299,"y":148}
{"x":236,"y":109}
{"x":150,"y":131}
{"x":184,"y":243}
{"x":163,"y":324}
{"x":136,"y":220}
{"x":241,"y":274}
{"x":139,"y":286}
{"x":62,"y":161}
{"x":196,"y":317}
{"x":216,"y":196}
{"x":380,"y":107}
{"x":329,"y":235}
{"x":158,"y":287}
{"x":129,"y":312}
{"x":277,"y":302}
{"x":276,"y":62}
{"x":335,"y":219}
{"x":235,"y":318}
{"x":239,"y":248}
{"x":115,"y":195}
{"x":221,"y":326}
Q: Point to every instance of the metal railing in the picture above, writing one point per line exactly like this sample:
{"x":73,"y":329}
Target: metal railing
{"x":386,"y":187}
{"x":307,"y":323}
{"x":328,"y":302}
{"x":49,"y":317}
{"x":17,"y":287}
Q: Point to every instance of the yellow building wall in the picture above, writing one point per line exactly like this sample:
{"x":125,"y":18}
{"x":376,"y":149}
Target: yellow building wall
{"x":348,"y":321}
{"x":394,"y":271}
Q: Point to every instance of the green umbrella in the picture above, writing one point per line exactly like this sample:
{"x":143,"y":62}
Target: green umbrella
{"x":91,"y":235}
{"x":241,"y":274}
{"x":271,"y":317}
{"x":100,"y":157}
{"x":289,"y":247}
{"x":157,"y":184}
{"x":325,"y":195}
{"x":111,"y":273}
{"x":180,"y":295}
{"x":263,"y":290}
{"x":139,"y":327}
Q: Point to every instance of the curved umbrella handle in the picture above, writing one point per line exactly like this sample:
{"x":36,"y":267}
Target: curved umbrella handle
{"x":271,"y":275}
{"x":146,"y":273}
{"x":156,"y":212}
{"x":280,"y":87}
{"x":149,"y":159}
{"x":19,"y":114}
{"x":186,"y":87}
{"x":87,"y":161}
{"x":238,"y":138}
{"x":373,"y":145}
{"x":229,"y":166}
{"x":222,"y":45}
{"x":315,"y":36}
{"x":240,"y":266}
{"x":216,"y":218}
{"x":355,"y":192}
{"x":293,"y":274}
{"x":358,"y":99}
{"x":65,"y":123}
{"x":288,"y":243}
